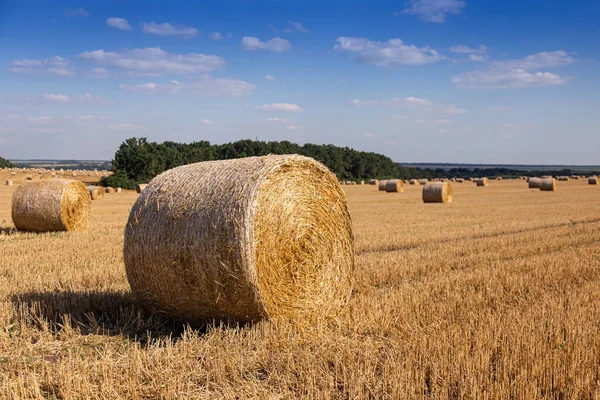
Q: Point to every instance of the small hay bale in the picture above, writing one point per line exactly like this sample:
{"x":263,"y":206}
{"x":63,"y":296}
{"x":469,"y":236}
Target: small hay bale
{"x":382,"y":185}
{"x":575,"y":177}
{"x":499,"y":178}
{"x":423,"y":181}
{"x":394,"y":186}
{"x":483,"y":182}
{"x":548,"y":184}
{"x":534,"y":183}
{"x":413,"y":181}
{"x":374,"y":182}
{"x":242,"y":240}
{"x":9,"y":182}
{"x":140,"y":187}
{"x":29,"y":178}
{"x":109,"y":189}
{"x":51,"y":205}
{"x":594,"y":180}
{"x":563,"y":178}
{"x":437,"y":192}
{"x":96,"y":192}
{"x":118,"y":190}
{"x":460,"y":180}
{"x":13,"y":173}
{"x":362,"y":182}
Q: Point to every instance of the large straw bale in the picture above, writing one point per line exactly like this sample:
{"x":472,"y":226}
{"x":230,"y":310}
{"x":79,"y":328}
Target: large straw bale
{"x":483,"y":182}
{"x":374,"y":182}
{"x":394,"y":186}
{"x":548,"y":184}
{"x":594,"y":180}
{"x":382,"y":185}
{"x":437,"y":192}
{"x":242,"y":240}
{"x":534,"y":183}
{"x":140,"y":187}
{"x":96,"y":192}
{"x":51,"y":205}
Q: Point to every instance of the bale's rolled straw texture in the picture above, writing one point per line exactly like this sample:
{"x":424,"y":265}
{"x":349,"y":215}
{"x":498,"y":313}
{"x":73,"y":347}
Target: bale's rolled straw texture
{"x":534,"y":183}
{"x":382,"y":185}
{"x":394,"y":186}
{"x":96,"y":192}
{"x":437,"y":192}
{"x":548,"y":184}
{"x":140,"y":187}
{"x":594,"y":180}
{"x":483,"y":182}
{"x":51,"y":205}
{"x":242,"y":240}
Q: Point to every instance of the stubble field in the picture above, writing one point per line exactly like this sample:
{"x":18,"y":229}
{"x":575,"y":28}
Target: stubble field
{"x":496,"y":295}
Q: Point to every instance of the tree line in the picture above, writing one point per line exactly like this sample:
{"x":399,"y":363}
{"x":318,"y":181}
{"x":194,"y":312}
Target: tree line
{"x":137,"y":160}
{"x":4,"y":163}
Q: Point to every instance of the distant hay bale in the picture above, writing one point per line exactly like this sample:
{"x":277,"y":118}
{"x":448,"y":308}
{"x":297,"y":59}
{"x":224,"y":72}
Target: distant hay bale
{"x":437,"y":192}
{"x":460,"y":180}
{"x":73,"y":173}
{"x":575,"y":177}
{"x":96,"y":192}
{"x":242,"y":240}
{"x":9,"y":182}
{"x":140,"y":187}
{"x":483,"y":182}
{"x":394,"y":186}
{"x":362,"y":182}
{"x":109,"y":190}
{"x":548,"y":184}
{"x":13,"y":173}
{"x":534,"y":183}
{"x":29,"y":177}
{"x":499,"y":178}
{"x":382,"y":185}
{"x":413,"y":181}
{"x":51,"y":205}
{"x":594,"y":180}
{"x":374,"y":182}
{"x":423,"y":181}
{"x":118,"y":190}
{"x":563,"y":178}
{"x":353,"y":183}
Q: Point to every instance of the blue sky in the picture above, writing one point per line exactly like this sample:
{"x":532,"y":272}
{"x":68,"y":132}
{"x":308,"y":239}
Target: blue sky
{"x":421,"y":80}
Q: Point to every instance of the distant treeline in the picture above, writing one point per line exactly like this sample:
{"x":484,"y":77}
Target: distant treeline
{"x":64,"y":164}
{"x":138,"y":160}
{"x":503,"y":172}
{"x":4,"y":163}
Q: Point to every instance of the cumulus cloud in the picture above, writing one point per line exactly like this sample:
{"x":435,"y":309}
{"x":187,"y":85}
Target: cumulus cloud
{"x":207,"y":86}
{"x":276,"y":44}
{"x":61,"y":98}
{"x":126,"y":127}
{"x":518,"y":73}
{"x":282,"y":107}
{"x":167,"y":29}
{"x":119,"y":23}
{"x":476,"y":58}
{"x":395,"y":102}
{"x":215,"y":36}
{"x":53,"y":66}
{"x":269,"y":77}
{"x":276,"y":119}
{"x":98,"y":73}
{"x":462,"y":49}
{"x":433,"y":10}
{"x":453,"y":110}
{"x":155,"y":61}
{"x":76,"y":12}
{"x":295,"y":26}
{"x":384,"y":54}
{"x":208,"y":122}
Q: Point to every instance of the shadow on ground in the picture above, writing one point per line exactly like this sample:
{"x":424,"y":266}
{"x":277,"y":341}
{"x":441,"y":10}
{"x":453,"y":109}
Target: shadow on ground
{"x":95,"y":312}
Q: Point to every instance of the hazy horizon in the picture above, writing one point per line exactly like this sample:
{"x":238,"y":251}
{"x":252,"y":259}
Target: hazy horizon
{"x":454,"y":80}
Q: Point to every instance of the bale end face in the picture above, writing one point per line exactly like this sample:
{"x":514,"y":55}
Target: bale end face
{"x":594,"y":180}
{"x":394,"y":186}
{"x":437,"y":192}
{"x":548,"y":184}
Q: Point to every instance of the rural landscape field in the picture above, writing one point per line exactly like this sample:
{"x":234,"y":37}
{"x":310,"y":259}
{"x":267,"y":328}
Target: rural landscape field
{"x":494,"y":295}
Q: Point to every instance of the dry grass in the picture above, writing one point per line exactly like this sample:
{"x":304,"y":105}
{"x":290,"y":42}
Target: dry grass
{"x":492,"y":296}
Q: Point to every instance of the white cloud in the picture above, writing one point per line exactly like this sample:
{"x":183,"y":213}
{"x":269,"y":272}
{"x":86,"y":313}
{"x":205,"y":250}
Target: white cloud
{"x":119,"y":23}
{"x":276,"y":44}
{"x":444,"y":121}
{"x":476,"y":58}
{"x":126,"y":127}
{"x":295,"y":26}
{"x":433,"y":10}
{"x":269,"y":77}
{"x":54,"y":66}
{"x":395,"y":102}
{"x":453,"y":110}
{"x":166,"y":29}
{"x":370,"y":134}
{"x":207,"y":86}
{"x":292,"y":127}
{"x":76,"y":12}
{"x":516,"y":78}
{"x":155,"y":61}
{"x":73,"y":99}
{"x":518,"y":73}
{"x":98,"y":73}
{"x":384,"y":54}
{"x":282,"y":107}
{"x":215,"y":36}
{"x":276,"y":119}
{"x":41,"y":120}
{"x":208,"y":122}
{"x":462,"y":49}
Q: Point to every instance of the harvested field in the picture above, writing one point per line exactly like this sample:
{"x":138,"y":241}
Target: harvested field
{"x":492,"y":296}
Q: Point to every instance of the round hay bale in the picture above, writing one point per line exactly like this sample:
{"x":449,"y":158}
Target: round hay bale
{"x":13,"y":173}
{"x":563,"y":178}
{"x":96,"y":192}
{"x":534,"y":183}
{"x":362,"y":182}
{"x":460,"y":180}
{"x":483,"y":182}
{"x":51,"y":205}
{"x":118,"y":190}
{"x":437,"y":192}
{"x":423,"y":181}
{"x":9,"y":182}
{"x":499,"y":178}
{"x":109,"y":189}
{"x":594,"y":180}
{"x":140,"y":187}
{"x":29,"y":178}
{"x":374,"y":182}
{"x":382,"y":185}
{"x":548,"y":184}
{"x":413,"y":181}
{"x":394,"y":186}
{"x":242,"y":240}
